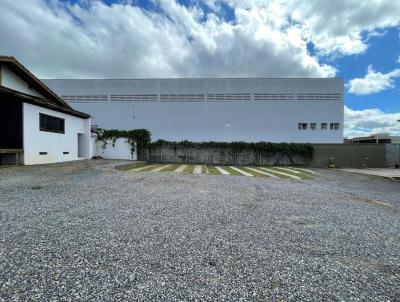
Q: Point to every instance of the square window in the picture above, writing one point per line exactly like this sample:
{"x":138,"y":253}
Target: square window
{"x":324,"y":126}
{"x":313,"y":126}
{"x":302,"y":126}
{"x":334,"y":126}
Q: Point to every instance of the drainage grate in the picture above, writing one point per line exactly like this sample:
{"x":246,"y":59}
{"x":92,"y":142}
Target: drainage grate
{"x":395,"y":178}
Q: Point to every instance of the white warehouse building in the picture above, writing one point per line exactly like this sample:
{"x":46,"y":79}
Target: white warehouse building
{"x":213,"y":109}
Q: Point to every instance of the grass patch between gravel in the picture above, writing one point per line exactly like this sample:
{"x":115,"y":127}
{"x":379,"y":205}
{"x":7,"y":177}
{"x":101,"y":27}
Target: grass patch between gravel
{"x":273,"y":172}
{"x":254,"y":173}
{"x":171,"y":168}
{"x":151,"y":167}
{"x":232,"y":171}
{"x":189,"y":169}
{"x":212,"y":170}
{"x":302,"y":175}
{"x":307,"y":175}
{"x":128,"y":167}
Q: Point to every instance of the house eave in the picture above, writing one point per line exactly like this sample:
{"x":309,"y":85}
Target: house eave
{"x":15,"y":66}
{"x":6,"y":93}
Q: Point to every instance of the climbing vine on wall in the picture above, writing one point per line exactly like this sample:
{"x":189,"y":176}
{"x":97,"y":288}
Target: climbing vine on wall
{"x":140,"y":137}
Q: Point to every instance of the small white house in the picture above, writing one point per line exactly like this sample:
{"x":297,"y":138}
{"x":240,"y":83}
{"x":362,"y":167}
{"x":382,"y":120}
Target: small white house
{"x":36,"y":125}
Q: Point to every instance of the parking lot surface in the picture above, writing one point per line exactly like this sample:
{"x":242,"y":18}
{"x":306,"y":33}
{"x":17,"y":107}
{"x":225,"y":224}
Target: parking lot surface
{"x":86,"y":231}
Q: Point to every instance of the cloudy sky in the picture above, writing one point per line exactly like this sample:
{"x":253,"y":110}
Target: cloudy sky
{"x":353,"y":39}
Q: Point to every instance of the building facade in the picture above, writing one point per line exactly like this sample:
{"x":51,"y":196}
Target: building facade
{"x":377,"y":138}
{"x":213,"y":109}
{"x":36,"y":124}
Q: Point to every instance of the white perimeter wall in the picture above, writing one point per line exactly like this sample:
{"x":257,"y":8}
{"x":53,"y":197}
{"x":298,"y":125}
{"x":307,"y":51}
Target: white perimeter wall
{"x":11,"y":80}
{"x":121,"y":149}
{"x":54,"y":144}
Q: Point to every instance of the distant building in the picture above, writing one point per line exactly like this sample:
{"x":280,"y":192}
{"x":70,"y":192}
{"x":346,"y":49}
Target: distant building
{"x":213,"y":109}
{"x":37,"y":126}
{"x":379,"y":138}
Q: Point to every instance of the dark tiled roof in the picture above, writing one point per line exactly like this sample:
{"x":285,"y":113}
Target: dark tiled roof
{"x":9,"y":94}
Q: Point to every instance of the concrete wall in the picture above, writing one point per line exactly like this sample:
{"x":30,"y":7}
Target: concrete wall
{"x":354,"y":156}
{"x":178,"y":109}
{"x":392,"y":154}
{"x":215,"y":156}
{"x":54,"y":144}
{"x":11,"y":80}
{"x":120,"y":149}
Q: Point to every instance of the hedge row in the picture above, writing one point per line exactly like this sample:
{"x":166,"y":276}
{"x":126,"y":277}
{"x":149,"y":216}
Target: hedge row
{"x":266,"y":148}
{"x":142,"y":138}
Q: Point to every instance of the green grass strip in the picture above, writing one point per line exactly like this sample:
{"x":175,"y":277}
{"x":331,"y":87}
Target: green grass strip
{"x":150,"y":167}
{"x":204,"y":169}
{"x":301,"y":175}
{"x":306,"y":174}
{"x":307,"y":170}
{"x":171,"y":168}
{"x":254,"y":173}
{"x":129,"y":167}
{"x":230,"y":170}
{"x":271,"y":171}
{"x":189,"y":169}
{"x":212,"y":170}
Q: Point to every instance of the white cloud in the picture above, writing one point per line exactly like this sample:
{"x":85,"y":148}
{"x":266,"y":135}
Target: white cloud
{"x":373,"y":82}
{"x":267,"y":38}
{"x":370,"y":121}
{"x":96,"y":40}
{"x":335,"y":27}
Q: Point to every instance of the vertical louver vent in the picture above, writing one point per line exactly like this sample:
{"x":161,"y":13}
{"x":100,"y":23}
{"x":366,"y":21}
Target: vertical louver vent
{"x":273,"y":97}
{"x":85,"y":98}
{"x":182,"y":97}
{"x":319,"y":97}
{"x":211,"y":97}
{"x":133,"y":97}
{"x":228,"y":97}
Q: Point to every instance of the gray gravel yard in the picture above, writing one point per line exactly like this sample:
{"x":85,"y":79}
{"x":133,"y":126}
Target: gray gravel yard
{"x":85,"y":231}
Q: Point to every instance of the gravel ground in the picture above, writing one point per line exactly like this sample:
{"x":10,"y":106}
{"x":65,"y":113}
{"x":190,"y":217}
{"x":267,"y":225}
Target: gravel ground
{"x":85,"y":231}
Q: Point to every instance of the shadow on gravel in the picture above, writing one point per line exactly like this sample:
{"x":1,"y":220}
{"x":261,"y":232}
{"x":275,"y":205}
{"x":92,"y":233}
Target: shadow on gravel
{"x":128,"y":167}
{"x":372,"y":202}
